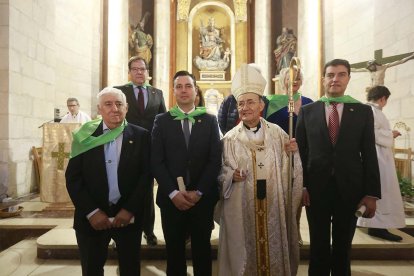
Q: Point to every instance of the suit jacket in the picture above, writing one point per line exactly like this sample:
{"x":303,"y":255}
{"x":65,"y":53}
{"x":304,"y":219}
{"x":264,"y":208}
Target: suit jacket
{"x":170,"y":157}
{"x":353,"y":160}
{"x":87,"y":183}
{"x":154,"y":106}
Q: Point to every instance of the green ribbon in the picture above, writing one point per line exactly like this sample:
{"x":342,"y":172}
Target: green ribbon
{"x":342,"y":99}
{"x":84,"y":141}
{"x":277,"y":102}
{"x":179,"y":115}
{"x":145,"y":85}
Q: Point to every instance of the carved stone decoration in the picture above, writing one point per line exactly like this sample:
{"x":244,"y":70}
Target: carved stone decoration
{"x":212,"y":57}
{"x":183,"y":7}
{"x":240,"y":10}
{"x":213,"y":99}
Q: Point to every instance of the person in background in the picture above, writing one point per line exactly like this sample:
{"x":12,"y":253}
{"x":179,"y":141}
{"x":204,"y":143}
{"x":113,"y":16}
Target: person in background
{"x":107,"y":178}
{"x":336,"y":142}
{"x":199,"y":100}
{"x":144,"y":102}
{"x":186,"y":145}
{"x":228,"y":116}
{"x":276,"y":110}
{"x":390,"y":208}
{"x":74,"y":115}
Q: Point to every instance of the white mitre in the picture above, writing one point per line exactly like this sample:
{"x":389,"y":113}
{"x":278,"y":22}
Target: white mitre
{"x":248,"y":79}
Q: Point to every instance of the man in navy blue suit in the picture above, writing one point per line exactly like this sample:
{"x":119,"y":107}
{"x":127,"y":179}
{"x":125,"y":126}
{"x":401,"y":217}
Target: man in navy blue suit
{"x":336,"y":141}
{"x":108,"y":177}
{"x":186,"y":145}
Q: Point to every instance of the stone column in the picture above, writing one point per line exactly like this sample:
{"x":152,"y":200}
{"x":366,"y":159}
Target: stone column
{"x":310,"y":46}
{"x":262,"y":40}
{"x":161,"y":50}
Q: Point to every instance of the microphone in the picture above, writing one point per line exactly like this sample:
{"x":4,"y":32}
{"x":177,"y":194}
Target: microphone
{"x":56,"y":117}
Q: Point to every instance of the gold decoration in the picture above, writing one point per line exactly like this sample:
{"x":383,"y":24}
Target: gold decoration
{"x":240,"y":10}
{"x":183,"y":7}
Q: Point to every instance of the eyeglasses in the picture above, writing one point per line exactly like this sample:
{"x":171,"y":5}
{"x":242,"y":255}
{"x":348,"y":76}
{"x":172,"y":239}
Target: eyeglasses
{"x":136,"y":69}
{"x":248,"y":104}
{"x":112,"y":104}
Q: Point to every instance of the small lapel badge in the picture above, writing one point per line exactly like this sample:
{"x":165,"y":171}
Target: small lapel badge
{"x":199,"y":120}
{"x":351,"y":109}
{"x":131,"y":142}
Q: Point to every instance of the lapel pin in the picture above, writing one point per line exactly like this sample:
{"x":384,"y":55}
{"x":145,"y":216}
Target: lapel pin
{"x":131,"y":142}
{"x":199,"y":121}
{"x":351,"y":109}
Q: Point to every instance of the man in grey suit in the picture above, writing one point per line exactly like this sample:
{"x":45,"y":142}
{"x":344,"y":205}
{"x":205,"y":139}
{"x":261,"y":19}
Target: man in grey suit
{"x":336,"y":141}
{"x":144,"y":102}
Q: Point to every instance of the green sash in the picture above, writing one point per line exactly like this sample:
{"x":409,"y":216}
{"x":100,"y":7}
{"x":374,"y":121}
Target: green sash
{"x":277,"y":102}
{"x":179,"y":115}
{"x":84,"y":141}
{"x":342,"y":99}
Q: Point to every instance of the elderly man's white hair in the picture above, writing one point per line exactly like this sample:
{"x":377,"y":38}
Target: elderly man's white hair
{"x":283,"y":74}
{"x":111,"y":90}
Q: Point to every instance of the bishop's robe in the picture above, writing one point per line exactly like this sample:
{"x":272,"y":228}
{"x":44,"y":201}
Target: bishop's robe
{"x":256,"y":235}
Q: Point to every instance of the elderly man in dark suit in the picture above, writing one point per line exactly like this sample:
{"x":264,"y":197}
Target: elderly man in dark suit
{"x":340,"y":170}
{"x":144,"y":102}
{"x":107,"y":179}
{"x":186,"y":144}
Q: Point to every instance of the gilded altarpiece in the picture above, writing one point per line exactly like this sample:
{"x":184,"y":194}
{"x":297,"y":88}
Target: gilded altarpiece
{"x":213,"y":64}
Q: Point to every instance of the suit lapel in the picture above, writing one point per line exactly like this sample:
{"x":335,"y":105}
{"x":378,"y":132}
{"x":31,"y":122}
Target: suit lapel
{"x":131,"y":98}
{"x":127,"y":147}
{"x":151,"y":95}
{"x":346,"y":120}
{"x":320,"y":113}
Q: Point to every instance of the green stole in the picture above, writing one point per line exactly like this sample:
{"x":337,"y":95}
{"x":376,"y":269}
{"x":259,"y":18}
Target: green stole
{"x":277,"y":102}
{"x":179,"y":115}
{"x":84,"y":141}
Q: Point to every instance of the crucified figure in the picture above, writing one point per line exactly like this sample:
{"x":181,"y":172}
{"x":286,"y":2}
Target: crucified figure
{"x":378,"y":70}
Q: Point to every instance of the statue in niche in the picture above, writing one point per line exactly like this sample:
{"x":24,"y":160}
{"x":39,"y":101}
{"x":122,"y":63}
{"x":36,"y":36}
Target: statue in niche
{"x":285,"y":49}
{"x":377,"y":70}
{"x":140,"y":43}
{"x":212,"y":56}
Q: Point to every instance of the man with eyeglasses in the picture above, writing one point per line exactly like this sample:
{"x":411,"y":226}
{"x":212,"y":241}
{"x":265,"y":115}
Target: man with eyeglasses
{"x":256,"y":235}
{"x":336,"y":141}
{"x":145,"y":102}
{"x":74,"y":115}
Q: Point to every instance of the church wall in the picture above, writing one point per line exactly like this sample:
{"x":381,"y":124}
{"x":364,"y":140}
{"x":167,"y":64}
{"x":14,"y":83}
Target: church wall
{"x":4,"y":96}
{"x":53,"y":55}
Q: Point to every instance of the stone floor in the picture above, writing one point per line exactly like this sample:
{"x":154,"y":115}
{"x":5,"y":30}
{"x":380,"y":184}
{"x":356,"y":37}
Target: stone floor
{"x":22,"y":258}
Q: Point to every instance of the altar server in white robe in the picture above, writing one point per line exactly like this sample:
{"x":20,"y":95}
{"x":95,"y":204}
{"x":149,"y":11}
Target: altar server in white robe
{"x":255,"y":238}
{"x":390,"y":210}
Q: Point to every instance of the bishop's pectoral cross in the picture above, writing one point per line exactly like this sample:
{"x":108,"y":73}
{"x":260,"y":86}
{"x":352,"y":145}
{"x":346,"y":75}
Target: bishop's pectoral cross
{"x":60,"y":155}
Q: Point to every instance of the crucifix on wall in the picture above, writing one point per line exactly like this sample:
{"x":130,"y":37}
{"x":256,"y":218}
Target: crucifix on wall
{"x":379,"y":65}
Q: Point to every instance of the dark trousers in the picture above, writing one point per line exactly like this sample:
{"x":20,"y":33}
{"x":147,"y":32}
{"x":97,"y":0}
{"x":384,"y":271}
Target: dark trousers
{"x":176,"y":224}
{"x":331,"y":215}
{"x":93,"y":250}
{"x":149,"y":214}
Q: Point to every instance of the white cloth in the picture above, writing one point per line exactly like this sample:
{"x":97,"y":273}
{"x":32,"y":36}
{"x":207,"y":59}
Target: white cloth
{"x":390,"y":209}
{"x":81,"y":117}
{"x":236,"y":208}
{"x":248,"y":79}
